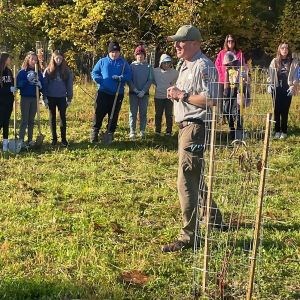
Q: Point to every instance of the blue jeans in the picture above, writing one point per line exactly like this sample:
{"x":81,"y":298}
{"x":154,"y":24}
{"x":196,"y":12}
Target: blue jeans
{"x":138,"y":105}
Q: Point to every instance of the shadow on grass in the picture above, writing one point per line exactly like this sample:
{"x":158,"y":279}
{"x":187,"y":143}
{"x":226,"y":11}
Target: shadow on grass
{"x":245,"y":243}
{"x":40,"y":289}
{"x":283,"y":226}
{"x":294,"y":130}
{"x":163,"y":143}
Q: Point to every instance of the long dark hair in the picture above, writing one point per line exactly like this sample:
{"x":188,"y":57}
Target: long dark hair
{"x":63,"y":68}
{"x":278,"y":59}
{"x":3,"y":58}
{"x":225,"y":47}
{"x":40,"y":56}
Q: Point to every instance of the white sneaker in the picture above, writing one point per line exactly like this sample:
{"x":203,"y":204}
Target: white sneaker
{"x":283,"y":136}
{"x":277,"y":135}
{"x":5,"y":145}
{"x":132,"y":135}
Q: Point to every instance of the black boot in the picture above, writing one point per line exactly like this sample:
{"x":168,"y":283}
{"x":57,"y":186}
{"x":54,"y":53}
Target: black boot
{"x":94,"y":136}
{"x":63,"y":134}
{"x":54,"y":136}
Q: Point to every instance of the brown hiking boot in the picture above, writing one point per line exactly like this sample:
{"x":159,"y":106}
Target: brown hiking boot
{"x":176,"y":246}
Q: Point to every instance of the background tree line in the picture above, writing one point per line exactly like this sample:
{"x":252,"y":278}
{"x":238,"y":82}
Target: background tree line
{"x":82,"y":28}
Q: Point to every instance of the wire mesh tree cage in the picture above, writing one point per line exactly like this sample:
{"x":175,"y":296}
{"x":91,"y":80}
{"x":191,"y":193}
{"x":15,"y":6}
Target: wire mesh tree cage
{"x":227,"y":260}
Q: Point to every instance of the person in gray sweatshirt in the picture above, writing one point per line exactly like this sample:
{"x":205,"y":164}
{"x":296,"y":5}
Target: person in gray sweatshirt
{"x":164,"y":77}
{"x":58,"y":80}
{"x":139,"y":91}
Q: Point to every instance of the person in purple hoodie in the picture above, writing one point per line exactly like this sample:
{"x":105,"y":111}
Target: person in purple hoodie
{"x":6,"y":96}
{"x":27,"y":81}
{"x":107,"y":73}
{"x":58,"y":80}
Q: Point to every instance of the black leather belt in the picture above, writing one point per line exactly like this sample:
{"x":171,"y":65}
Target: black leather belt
{"x":189,"y":122}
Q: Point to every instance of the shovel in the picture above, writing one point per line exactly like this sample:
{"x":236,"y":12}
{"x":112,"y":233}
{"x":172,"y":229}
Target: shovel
{"x":107,"y":137}
{"x":40,"y":137}
{"x":15,"y":145}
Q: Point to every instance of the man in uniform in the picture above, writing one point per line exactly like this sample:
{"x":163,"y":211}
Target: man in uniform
{"x":195,"y":91}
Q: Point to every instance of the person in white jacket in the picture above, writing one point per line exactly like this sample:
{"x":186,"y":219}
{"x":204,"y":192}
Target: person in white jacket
{"x":164,"y":77}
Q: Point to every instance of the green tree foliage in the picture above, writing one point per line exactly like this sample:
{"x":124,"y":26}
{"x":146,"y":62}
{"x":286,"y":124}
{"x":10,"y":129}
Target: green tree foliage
{"x":288,"y":28}
{"x":16,"y":33}
{"x":82,"y":28}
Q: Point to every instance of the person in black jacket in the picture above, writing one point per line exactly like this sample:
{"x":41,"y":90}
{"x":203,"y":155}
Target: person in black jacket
{"x":7,"y":90}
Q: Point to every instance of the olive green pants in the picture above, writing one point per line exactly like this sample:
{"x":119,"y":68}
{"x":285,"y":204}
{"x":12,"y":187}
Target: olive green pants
{"x":192,"y":189}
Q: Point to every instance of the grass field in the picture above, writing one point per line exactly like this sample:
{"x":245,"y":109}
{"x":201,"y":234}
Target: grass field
{"x":79,"y":223}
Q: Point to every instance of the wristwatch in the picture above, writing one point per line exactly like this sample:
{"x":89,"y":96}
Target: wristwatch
{"x":185,"y":97}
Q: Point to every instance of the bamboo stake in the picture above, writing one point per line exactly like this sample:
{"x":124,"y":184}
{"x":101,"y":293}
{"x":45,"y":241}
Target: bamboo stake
{"x":259,"y":207}
{"x":241,"y":88}
{"x":209,"y":198}
{"x":255,"y":80}
{"x":15,"y":103}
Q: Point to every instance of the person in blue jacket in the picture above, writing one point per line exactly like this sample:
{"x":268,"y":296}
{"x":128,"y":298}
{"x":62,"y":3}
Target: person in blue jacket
{"x":107,"y":73}
{"x":27,"y":81}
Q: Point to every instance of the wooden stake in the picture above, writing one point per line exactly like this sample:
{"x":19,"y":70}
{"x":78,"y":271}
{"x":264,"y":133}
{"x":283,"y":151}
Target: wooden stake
{"x":259,"y":207}
{"x":209,"y":199}
{"x":255,"y":82}
{"x":241,"y":88}
{"x":15,"y":103}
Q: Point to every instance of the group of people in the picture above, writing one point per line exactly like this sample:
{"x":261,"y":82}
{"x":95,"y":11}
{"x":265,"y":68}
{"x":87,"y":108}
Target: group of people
{"x":112,"y":72}
{"x":192,"y":89}
{"x":56,"y":85}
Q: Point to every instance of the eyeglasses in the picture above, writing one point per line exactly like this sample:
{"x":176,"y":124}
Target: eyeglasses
{"x":230,"y":41}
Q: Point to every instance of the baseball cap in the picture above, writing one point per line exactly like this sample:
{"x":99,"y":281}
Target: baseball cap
{"x":186,"y":33}
{"x":165,"y":58}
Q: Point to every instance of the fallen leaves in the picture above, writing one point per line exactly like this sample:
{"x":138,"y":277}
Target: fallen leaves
{"x":134,"y":277}
{"x":117,"y":228}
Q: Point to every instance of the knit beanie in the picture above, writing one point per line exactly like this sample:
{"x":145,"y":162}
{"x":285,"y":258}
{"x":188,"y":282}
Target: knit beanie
{"x":140,"y":50}
{"x":113,"y":46}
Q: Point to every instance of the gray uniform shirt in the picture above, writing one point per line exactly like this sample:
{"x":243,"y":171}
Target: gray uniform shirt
{"x":196,"y":77}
